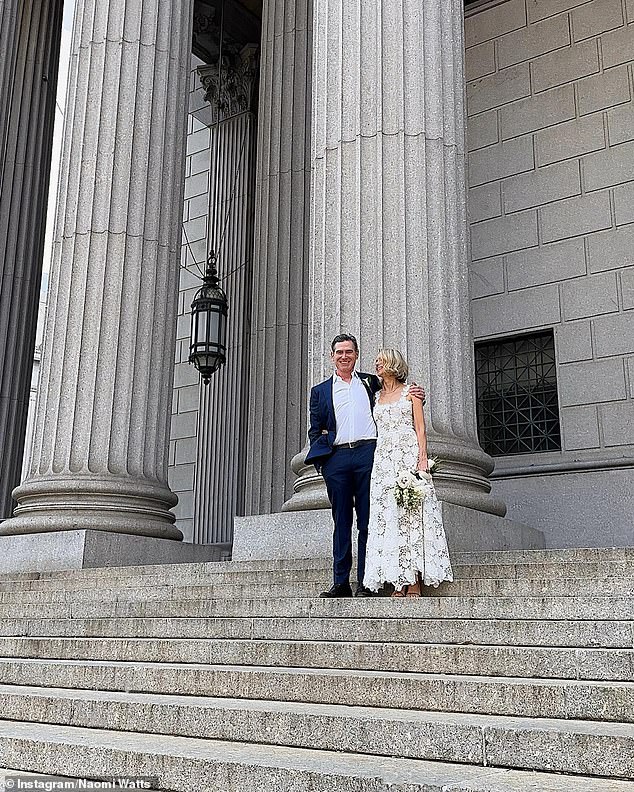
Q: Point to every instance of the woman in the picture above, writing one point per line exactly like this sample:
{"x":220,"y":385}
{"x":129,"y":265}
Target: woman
{"x":406,"y":546}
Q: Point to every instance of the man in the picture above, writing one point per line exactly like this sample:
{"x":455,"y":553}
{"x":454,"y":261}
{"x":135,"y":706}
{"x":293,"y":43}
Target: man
{"x":342,"y":437}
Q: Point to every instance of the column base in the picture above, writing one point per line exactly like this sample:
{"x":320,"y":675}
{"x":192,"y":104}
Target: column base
{"x":88,"y":503}
{"x":50,"y":552}
{"x":462,"y":482}
{"x":309,"y":488}
{"x":308,"y":534}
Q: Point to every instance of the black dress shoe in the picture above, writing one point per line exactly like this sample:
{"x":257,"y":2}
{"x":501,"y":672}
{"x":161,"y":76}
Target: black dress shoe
{"x":338,"y":590}
{"x":362,"y":591}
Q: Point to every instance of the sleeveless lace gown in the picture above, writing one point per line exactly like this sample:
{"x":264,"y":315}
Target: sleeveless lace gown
{"x":401,"y":543}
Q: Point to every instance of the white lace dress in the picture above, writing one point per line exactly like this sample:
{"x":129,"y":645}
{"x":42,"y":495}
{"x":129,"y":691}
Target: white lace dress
{"x":401,"y":543}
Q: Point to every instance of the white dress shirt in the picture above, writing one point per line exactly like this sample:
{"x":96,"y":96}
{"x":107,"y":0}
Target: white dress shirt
{"x":352,"y":410}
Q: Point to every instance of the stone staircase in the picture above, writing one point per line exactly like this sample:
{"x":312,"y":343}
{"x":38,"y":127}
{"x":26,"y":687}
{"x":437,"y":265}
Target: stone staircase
{"x":234,"y":676}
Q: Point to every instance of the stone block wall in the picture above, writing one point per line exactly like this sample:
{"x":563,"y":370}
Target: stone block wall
{"x":550,"y":92}
{"x":186,"y":394}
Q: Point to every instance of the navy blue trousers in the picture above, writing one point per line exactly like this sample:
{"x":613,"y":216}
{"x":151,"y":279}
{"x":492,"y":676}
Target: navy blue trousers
{"x":347,"y":475}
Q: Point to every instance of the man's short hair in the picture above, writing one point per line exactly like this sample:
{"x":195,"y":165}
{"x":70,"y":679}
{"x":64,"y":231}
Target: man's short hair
{"x":344,"y":337}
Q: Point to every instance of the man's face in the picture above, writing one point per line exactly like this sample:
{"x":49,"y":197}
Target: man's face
{"x":344,"y":357}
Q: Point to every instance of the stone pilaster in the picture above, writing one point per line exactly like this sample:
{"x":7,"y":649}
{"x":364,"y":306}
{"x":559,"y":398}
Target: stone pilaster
{"x":29,"y":54}
{"x":225,"y":403}
{"x":100,"y":452}
{"x":389,"y":243}
{"x":280,"y":279}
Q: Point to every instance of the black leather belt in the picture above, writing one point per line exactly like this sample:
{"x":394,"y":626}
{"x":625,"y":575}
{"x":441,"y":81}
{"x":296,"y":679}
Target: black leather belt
{"x":355,"y":444}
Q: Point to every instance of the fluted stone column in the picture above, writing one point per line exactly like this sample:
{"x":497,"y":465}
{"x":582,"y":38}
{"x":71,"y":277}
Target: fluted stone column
{"x":280,"y":278}
{"x":29,"y":55}
{"x":389,"y":231}
{"x":226,"y":402}
{"x":9,"y":10}
{"x":100,"y":452}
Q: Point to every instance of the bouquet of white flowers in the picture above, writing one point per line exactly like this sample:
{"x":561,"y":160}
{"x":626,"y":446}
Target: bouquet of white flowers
{"x":409,"y":491}
{"x":412,"y":485}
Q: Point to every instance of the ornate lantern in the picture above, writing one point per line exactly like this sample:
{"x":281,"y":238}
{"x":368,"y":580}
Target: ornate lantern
{"x":209,"y":324}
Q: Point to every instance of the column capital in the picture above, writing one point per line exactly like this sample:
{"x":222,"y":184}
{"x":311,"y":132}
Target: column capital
{"x":231,"y":85}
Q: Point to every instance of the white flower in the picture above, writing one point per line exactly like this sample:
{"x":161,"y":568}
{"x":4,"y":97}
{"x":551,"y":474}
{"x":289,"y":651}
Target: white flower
{"x":404,"y":479}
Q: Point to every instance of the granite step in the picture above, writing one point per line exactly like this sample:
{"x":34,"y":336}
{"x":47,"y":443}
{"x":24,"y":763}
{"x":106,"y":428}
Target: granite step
{"x":265,"y":566}
{"x":119,"y":579}
{"x":501,"y":632}
{"x":497,"y":661}
{"x":434,"y":607}
{"x":574,"y":554}
{"x":185,"y":764}
{"x":597,"y":564}
{"x":232,"y":591}
{"x":476,"y":558}
{"x":567,"y":699}
{"x":148,"y":589}
{"x":537,"y":570}
{"x":538,"y":587}
{"x":589,"y":748}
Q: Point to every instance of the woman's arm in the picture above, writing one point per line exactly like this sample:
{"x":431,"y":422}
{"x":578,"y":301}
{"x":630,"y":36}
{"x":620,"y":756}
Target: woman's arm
{"x":421,"y":434}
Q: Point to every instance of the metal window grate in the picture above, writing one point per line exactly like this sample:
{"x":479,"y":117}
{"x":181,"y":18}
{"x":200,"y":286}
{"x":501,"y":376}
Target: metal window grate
{"x":516,"y":391}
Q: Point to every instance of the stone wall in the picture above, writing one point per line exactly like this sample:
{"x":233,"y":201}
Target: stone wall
{"x":551,"y":171}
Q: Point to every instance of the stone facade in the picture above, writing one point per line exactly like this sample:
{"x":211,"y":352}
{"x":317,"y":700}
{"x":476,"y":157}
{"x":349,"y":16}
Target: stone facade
{"x":551,"y":200}
{"x":550,"y":137}
{"x":550,"y":125}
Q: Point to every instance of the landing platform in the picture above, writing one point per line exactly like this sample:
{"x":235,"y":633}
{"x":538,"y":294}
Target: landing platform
{"x":53,"y":551}
{"x":308,"y":534}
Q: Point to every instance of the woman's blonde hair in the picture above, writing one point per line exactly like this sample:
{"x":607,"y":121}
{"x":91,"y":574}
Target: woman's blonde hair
{"x":394,"y":363}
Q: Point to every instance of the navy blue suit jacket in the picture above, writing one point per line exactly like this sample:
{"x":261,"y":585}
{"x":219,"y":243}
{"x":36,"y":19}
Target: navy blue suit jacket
{"x":323,"y":426}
